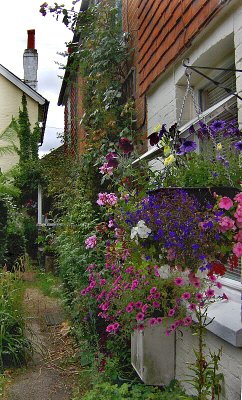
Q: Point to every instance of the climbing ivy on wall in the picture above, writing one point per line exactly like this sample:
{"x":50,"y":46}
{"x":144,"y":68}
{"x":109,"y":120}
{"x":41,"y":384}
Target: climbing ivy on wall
{"x":28,"y":140}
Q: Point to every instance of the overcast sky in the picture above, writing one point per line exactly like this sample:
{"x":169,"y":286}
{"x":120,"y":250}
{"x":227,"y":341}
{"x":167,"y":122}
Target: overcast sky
{"x":50,"y":36}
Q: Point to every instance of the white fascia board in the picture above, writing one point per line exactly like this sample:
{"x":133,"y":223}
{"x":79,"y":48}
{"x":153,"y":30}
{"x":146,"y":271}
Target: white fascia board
{"x":22,"y":86}
{"x":207,"y":115}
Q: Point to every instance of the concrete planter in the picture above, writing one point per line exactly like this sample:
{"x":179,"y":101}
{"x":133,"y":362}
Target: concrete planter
{"x":153,"y":355}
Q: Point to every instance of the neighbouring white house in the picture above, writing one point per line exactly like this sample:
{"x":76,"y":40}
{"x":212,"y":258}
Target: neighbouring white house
{"x":12,"y":89}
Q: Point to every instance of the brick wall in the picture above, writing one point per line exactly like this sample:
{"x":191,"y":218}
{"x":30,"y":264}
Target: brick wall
{"x":130,"y":26}
{"x":166,"y":28}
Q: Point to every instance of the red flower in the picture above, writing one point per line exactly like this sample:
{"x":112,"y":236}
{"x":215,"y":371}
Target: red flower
{"x":217,"y":268}
{"x":126,"y":145}
{"x":233,"y":262}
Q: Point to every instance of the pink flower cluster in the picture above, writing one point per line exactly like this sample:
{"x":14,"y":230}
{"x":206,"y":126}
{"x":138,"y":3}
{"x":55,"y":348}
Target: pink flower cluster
{"x":91,"y":242}
{"x":107,"y":199}
{"x":106,"y":170}
{"x":232,"y":221}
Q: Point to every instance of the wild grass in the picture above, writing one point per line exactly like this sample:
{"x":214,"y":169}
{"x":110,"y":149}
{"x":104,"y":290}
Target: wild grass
{"x":14,"y":346}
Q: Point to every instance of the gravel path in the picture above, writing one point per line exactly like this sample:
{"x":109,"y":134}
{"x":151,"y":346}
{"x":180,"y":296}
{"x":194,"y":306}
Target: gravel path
{"x":46,"y":377}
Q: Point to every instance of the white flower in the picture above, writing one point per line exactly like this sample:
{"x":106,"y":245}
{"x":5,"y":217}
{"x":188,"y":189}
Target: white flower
{"x":140,"y":230}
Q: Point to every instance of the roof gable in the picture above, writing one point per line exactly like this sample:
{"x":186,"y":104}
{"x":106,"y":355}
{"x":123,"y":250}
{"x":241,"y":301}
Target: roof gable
{"x":22,"y":86}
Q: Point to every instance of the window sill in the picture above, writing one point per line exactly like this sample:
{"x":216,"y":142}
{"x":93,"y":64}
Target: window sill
{"x":227,"y":314}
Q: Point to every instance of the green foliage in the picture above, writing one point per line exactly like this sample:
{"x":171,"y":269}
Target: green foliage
{"x":8,"y":139}
{"x":133,"y":392}
{"x":34,"y":140}
{"x":24,"y":132}
{"x":48,"y":284}
{"x":13,"y":344}
{"x":3,"y":228}
{"x":202,"y":171}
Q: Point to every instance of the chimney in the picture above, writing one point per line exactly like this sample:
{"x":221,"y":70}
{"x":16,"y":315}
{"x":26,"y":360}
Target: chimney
{"x":30,"y":61}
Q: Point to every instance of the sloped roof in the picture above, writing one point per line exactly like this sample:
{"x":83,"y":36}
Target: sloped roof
{"x":28,"y":91}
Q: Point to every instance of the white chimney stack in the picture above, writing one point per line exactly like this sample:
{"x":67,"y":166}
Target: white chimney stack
{"x":30,"y":61}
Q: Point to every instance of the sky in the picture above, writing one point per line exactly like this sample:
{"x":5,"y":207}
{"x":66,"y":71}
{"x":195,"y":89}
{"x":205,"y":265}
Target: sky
{"x":18,"y":16}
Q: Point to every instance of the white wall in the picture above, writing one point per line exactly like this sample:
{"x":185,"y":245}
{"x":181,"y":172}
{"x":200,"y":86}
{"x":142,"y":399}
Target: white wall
{"x":230,"y":364}
{"x":219,"y":42}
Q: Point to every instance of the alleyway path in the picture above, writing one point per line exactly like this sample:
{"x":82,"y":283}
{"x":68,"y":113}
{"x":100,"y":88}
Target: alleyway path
{"x":48,"y":375}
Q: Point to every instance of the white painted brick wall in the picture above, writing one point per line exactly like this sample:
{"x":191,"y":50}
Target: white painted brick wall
{"x":164,"y":101}
{"x":230,"y":364}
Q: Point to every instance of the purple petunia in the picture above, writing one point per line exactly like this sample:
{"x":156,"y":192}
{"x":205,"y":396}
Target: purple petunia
{"x":238,"y":145}
{"x":187,"y":147}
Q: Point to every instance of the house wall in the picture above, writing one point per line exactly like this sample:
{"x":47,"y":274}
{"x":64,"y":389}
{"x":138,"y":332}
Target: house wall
{"x":166,"y":29}
{"x":230,"y":363}
{"x":10,"y":101}
{"x":218,"y":43}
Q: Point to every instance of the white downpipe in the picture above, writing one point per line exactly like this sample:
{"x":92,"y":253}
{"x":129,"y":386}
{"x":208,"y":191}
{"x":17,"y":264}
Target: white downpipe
{"x":39,"y":205}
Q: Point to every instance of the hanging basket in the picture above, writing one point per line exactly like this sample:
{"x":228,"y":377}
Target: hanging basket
{"x":203,"y":195}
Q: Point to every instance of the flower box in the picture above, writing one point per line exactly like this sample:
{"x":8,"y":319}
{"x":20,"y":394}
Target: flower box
{"x":153,"y":355}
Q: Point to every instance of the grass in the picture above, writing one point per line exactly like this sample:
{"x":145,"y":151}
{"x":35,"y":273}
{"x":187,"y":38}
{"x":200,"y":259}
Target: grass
{"x":13,"y":344}
{"x":47,"y":283}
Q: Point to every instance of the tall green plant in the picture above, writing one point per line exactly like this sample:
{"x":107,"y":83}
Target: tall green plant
{"x":24,"y":132}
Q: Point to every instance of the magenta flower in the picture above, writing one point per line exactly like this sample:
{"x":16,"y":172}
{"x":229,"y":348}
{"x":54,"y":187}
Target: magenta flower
{"x":173,"y":327}
{"x":129,"y":308}
{"x":179,"y":281}
{"x":156,"y":295}
{"x":159,"y":320}
{"x":139,"y":304}
{"x":171,"y":312}
{"x":238,"y":236}
{"x":153,"y":321}
{"x":110,"y":328}
{"x":210,"y":292}
{"x":145,"y":308}
{"x":226,"y":224}
{"x":91,"y":242}
{"x":192,"y":306}
{"x":156,"y":304}
{"x":238,"y":198}
{"x":83,"y":292}
{"x":153,"y":290}
{"x":141,"y":327}
{"x":140,"y":316}
{"x":186,"y":296}
{"x":199,"y":296}
{"x":219,"y":285}
{"x":226,"y":203}
{"x":112,"y":160}
{"x":237,"y":249}
{"x":116,"y":326}
{"x":187,"y":321}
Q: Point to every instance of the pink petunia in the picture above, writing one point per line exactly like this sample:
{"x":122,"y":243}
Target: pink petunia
{"x":159,"y":320}
{"x":237,"y":249}
{"x":226,"y":224}
{"x":199,"y":296}
{"x":139,"y":304}
{"x":171,"y":312}
{"x":192,"y":306}
{"x":226,"y":203}
{"x":129,"y":308}
{"x":238,"y":198}
{"x":153,"y":321}
{"x":179,"y":281}
{"x":238,"y":213}
{"x":110,"y":328}
{"x":186,"y":296}
{"x":238,"y":236}
{"x":140,"y":316}
{"x":187,"y":321}
{"x":153,"y":290}
{"x":91,"y":242}
{"x":210,"y":292}
{"x":156,"y":304}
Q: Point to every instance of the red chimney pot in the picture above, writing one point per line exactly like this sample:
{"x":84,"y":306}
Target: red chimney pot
{"x":31,"y":39}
